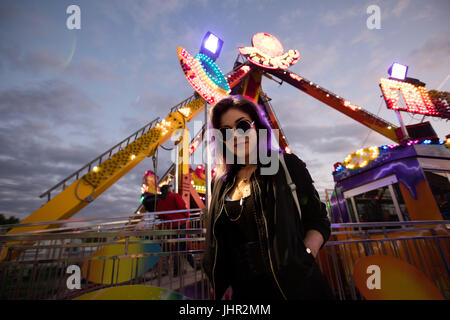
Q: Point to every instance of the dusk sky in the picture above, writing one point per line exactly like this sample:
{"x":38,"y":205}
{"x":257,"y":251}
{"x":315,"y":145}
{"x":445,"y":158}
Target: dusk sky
{"x":66,"y":96}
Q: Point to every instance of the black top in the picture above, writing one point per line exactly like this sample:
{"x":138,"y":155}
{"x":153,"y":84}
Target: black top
{"x":243,"y":229}
{"x":239,"y":242}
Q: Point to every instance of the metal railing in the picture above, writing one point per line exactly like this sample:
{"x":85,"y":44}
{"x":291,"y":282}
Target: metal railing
{"x":141,"y":250}
{"x":144,"y":249}
{"x":98,"y":160}
{"x":422,"y":244}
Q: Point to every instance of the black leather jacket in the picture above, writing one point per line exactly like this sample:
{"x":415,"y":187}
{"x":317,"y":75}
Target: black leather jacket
{"x":280,"y":230}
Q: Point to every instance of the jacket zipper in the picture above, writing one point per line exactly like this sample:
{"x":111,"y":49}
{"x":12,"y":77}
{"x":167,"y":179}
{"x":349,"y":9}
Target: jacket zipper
{"x":215,"y":239}
{"x":268,"y":244}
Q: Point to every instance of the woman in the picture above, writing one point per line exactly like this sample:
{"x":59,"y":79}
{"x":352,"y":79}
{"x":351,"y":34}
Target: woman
{"x":255,"y":241}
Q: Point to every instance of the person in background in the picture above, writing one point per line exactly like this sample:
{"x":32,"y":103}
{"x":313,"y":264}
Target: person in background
{"x":170,"y":201}
{"x":148,"y":197}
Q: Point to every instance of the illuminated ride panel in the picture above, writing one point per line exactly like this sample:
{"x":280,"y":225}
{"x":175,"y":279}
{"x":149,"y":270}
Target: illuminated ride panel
{"x":416,"y":97}
{"x":204,"y":76}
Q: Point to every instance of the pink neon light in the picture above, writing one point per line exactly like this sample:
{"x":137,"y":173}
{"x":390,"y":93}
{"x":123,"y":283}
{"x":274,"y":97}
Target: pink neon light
{"x":351,"y":106}
{"x":295,"y":77}
{"x":198,"y":79}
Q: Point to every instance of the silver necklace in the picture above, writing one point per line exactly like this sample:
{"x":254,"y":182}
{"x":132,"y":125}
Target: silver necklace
{"x":240,"y":213}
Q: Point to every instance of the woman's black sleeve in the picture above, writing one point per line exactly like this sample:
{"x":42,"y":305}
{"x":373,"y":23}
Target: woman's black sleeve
{"x":314,"y":213}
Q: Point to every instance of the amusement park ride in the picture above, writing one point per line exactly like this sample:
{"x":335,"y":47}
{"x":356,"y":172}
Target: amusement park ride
{"x":403,"y":163}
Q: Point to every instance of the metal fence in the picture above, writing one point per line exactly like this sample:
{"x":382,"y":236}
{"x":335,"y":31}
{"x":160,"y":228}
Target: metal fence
{"x":146,"y":250}
{"x":423,"y":244}
{"x":137,"y":250}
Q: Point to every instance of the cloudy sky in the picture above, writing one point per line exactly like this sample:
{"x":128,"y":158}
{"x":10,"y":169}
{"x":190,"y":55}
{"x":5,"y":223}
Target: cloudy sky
{"x":68,"y":95}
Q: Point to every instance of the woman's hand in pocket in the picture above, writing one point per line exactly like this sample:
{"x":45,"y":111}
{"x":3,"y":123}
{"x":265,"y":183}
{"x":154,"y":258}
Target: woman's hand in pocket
{"x":313,"y":241}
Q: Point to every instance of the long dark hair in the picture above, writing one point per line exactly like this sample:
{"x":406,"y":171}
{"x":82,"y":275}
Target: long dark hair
{"x":256,"y":113}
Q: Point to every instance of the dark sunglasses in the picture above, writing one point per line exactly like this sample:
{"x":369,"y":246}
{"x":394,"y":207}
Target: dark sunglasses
{"x":243,"y":125}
